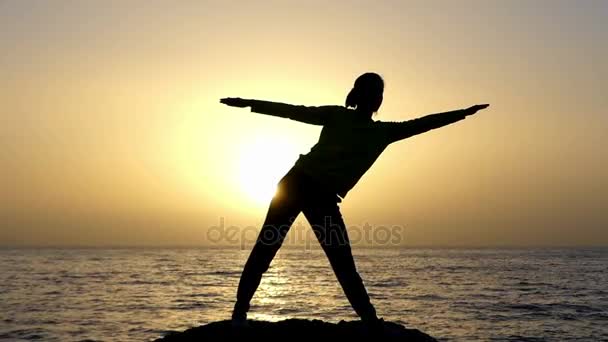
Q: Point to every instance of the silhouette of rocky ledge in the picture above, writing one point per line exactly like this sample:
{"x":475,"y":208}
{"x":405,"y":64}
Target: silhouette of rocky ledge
{"x":298,"y":329}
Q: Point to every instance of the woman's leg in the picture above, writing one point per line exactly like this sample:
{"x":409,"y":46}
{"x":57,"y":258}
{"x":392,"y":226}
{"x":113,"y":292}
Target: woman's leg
{"x":328,"y":225}
{"x":281,"y":214}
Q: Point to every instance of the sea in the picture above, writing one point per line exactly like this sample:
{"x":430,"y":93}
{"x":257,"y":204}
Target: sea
{"x":452,"y":294}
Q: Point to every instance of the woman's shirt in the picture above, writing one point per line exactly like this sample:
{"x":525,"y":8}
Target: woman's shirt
{"x":349,"y":144}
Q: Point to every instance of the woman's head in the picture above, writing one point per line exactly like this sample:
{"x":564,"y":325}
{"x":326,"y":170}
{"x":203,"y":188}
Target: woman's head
{"x":366,"y":94}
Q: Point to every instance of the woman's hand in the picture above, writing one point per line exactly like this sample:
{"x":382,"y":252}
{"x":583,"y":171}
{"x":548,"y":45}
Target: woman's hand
{"x":235,"y":102}
{"x":474,"y":109}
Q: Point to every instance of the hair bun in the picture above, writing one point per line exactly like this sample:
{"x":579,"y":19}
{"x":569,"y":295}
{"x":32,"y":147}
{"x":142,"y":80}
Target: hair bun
{"x":352,"y":98}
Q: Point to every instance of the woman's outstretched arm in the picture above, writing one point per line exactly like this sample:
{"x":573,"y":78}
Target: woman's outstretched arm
{"x":401,"y":130}
{"x":306,"y":114}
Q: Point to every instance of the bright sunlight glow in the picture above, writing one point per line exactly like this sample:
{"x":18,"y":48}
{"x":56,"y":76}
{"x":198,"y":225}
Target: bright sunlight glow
{"x":263,"y":162}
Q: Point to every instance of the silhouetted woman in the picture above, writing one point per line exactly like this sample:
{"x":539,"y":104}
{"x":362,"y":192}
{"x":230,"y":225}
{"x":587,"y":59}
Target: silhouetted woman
{"x":349,"y":143}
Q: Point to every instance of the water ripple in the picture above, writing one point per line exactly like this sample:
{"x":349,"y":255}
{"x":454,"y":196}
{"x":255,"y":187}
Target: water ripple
{"x":452,"y":294}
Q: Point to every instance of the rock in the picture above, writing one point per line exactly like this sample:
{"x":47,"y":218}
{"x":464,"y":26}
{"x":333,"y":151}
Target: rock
{"x":297,"y":329}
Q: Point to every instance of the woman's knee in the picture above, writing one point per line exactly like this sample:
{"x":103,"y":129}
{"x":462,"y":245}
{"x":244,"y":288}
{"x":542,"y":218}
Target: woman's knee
{"x":261,"y":257}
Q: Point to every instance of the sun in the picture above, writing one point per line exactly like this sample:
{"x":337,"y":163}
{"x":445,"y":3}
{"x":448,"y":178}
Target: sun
{"x":262,"y":164}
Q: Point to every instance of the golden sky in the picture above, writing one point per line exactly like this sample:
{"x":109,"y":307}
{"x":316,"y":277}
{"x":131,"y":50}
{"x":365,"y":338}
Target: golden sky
{"x":111,"y":131}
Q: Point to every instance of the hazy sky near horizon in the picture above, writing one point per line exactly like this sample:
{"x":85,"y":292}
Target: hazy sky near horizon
{"x":111,"y":132}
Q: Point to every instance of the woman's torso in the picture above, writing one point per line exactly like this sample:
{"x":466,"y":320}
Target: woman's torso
{"x":347,"y":147}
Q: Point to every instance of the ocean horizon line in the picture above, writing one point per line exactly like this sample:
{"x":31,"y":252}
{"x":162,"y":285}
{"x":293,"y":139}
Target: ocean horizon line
{"x":313,"y":247}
